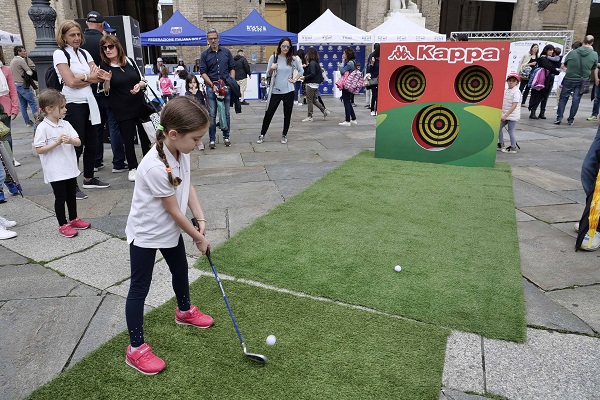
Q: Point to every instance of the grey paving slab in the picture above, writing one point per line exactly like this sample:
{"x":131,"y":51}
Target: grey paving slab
{"x":548,"y":366}
{"x":103,"y":203}
{"x":450,"y":394}
{"x":240,"y":195}
{"x":281,"y":157}
{"x":348,"y":143}
{"x":307,"y":144}
{"x":231,"y":175}
{"x":542,"y":311}
{"x":549,"y":260}
{"x":8,"y":257}
{"x":110,"y":224}
{"x":581,"y":301}
{"x":82,"y":290}
{"x":299,"y":170}
{"x":523,"y":217}
{"x":239,"y":218}
{"x":339,"y":155}
{"x":215,"y":160}
{"x":463,"y":366}
{"x":566,"y":227}
{"x":292,"y":187}
{"x":161,"y":289}
{"x":34,"y":350}
{"x":525,"y":135}
{"x":51,"y":244}
{"x":99,"y":266}
{"x":545,"y":179}
{"x":527,"y":195}
{"x":23,"y":211}
{"x":577,"y":196}
{"x":555,"y":213}
{"x":31,"y":281}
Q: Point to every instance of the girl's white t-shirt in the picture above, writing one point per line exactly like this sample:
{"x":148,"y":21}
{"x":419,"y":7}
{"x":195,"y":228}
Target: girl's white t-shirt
{"x":79,"y":65}
{"x":59,"y":163}
{"x":149,"y":224}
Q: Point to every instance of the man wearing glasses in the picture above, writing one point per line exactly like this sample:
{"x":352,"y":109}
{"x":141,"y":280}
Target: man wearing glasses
{"x":216,"y":63}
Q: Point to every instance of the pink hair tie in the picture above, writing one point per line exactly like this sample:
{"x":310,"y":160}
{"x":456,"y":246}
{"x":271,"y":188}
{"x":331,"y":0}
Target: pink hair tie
{"x":169,"y":170}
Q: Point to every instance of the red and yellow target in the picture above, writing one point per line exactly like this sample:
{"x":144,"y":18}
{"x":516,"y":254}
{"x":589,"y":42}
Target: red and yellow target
{"x":473,"y":84}
{"x":435,"y":127}
{"x":408,"y":84}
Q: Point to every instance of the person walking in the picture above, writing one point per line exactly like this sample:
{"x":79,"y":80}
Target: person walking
{"x":54,"y":140}
{"x":10,"y":102}
{"x":284,"y":69}
{"x":92,"y":35}
{"x":313,"y":76}
{"x":75,"y":67}
{"x":299,"y":88}
{"x":526,"y":67}
{"x":348,"y":65}
{"x":580,"y":64}
{"x":373,"y":71}
{"x":162,"y":194}
{"x":242,"y":74}
{"x":124,"y":84}
{"x":23,"y":73}
{"x":216,"y":63}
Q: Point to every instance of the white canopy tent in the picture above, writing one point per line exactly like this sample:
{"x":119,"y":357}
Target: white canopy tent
{"x":329,"y":29}
{"x":400,"y":29}
{"x":10,"y":39}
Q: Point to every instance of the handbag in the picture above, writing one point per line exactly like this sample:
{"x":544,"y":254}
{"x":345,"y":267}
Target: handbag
{"x":4,"y":131}
{"x":151,"y":126}
{"x":584,"y":85}
{"x":342,"y":81}
{"x":372,"y":82}
{"x":354,"y":82}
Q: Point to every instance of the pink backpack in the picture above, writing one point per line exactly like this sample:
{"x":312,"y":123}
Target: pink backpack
{"x":538,"y":81}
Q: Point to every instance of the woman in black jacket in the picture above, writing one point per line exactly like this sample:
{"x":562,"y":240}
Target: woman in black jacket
{"x":549,"y":68}
{"x":313,"y":76}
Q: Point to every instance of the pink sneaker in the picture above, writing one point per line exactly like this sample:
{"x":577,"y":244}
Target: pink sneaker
{"x":78,"y":223}
{"x":144,"y":360}
{"x":67,"y":231}
{"x":201,"y":146}
{"x":193,"y":317}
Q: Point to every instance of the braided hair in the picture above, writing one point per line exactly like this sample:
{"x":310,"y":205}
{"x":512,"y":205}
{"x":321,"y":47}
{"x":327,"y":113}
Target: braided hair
{"x":183,"y":114}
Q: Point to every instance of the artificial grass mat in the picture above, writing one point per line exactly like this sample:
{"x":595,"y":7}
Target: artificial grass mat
{"x":323,"y":350}
{"x":451,"y":228}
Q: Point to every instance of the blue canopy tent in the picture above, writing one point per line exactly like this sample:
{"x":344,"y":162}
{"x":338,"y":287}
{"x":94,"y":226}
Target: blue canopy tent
{"x":177,"y":31}
{"x":254,"y":29}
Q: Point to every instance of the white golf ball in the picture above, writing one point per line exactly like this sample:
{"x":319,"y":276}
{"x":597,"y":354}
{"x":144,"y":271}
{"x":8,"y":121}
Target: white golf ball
{"x":397,"y":268}
{"x":271,"y":339}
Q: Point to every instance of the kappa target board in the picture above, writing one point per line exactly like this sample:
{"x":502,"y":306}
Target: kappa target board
{"x":441,"y":102}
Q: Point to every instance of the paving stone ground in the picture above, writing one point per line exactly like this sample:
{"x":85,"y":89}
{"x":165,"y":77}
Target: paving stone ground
{"x":62,"y":298}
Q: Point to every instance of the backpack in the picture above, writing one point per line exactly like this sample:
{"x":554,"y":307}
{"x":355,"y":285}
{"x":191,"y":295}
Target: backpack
{"x":51,"y":78}
{"x":538,"y":79}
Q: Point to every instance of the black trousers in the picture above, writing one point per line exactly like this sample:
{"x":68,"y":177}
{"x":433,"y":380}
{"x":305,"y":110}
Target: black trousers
{"x":78,"y":115}
{"x":288,"y":105}
{"x":524,"y":89}
{"x":64,"y":192}
{"x":374,"y":93}
{"x":128,"y":129}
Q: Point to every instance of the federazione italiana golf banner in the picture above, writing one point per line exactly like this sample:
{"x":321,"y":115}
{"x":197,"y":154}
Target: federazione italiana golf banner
{"x":441,"y":102}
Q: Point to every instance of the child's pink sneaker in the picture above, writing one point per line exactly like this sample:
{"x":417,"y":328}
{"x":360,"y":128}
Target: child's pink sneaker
{"x":67,"y":231}
{"x":201,"y":146}
{"x":193,"y":317}
{"x":78,"y":223}
{"x":144,"y":360}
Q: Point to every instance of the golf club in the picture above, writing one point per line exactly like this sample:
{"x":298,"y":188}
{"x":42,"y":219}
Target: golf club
{"x":257,"y":358}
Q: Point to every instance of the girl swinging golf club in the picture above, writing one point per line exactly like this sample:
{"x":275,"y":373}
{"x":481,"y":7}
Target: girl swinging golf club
{"x":161,"y":196}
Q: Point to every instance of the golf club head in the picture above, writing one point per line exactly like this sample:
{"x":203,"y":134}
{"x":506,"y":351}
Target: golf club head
{"x":257,"y":358}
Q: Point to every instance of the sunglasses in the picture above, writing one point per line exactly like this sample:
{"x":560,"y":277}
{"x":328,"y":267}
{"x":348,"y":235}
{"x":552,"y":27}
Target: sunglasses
{"x":108,"y":47}
{"x":285,"y":46}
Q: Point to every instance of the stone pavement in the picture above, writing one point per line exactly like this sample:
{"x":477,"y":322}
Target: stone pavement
{"x":62,"y":298}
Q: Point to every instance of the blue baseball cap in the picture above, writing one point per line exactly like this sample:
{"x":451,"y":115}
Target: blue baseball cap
{"x":107,"y":28}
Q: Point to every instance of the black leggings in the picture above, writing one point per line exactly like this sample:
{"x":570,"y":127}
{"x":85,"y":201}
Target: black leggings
{"x":78,"y":115}
{"x":374,"y":92}
{"x":64,"y":192}
{"x":142,"y":264}
{"x":524,"y":89}
{"x":288,"y":105}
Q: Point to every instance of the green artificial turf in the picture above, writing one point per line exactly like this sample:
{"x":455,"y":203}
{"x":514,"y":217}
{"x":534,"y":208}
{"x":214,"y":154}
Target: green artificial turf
{"x":451,"y":228}
{"x":323,"y":351}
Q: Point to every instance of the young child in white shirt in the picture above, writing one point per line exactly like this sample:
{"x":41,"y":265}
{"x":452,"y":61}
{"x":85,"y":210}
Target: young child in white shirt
{"x":54,"y":141}
{"x":511,"y":113}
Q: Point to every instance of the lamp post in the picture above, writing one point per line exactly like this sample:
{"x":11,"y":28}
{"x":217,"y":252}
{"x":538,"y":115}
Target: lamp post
{"x":43,"y":17}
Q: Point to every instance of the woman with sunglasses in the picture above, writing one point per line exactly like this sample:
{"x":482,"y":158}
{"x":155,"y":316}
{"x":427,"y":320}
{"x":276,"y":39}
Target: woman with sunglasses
{"x":76,"y":69}
{"x":124,"y":86}
{"x":284,"y":70}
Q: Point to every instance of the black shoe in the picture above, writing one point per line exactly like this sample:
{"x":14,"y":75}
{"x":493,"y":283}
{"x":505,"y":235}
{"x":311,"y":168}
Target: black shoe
{"x":79,"y":195}
{"x":557,"y":122}
{"x":245,"y":103}
{"x":226,"y":141}
{"x":541,"y":116}
{"x":95,"y":183}
{"x":532,"y":116}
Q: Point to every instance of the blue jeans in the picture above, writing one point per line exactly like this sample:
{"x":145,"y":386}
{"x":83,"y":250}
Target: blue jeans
{"x":569,"y":87}
{"x":589,"y":169}
{"x":26,"y":97}
{"x":211,"y":100}
{"x":596,"y":106}
{"x":116,"y":142}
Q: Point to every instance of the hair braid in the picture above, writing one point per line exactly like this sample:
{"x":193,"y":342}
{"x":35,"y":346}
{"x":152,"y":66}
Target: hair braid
{"x":160,"y":136}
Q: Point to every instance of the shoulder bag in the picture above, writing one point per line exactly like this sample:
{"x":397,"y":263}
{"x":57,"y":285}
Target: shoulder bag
{"x":584,"y":85}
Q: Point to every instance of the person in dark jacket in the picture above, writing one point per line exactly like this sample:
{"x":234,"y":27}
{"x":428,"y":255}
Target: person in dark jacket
{"x":313,"y":76}
{"x":242,"y":73}
{"x":549,"y":68}
{"x":373,"y":71}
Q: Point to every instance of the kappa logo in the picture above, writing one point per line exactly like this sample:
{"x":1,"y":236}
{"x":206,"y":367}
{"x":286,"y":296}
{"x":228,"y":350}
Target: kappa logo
{"x":451,"y":55}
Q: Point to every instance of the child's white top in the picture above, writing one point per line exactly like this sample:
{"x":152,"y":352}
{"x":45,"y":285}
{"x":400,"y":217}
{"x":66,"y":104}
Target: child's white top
{"x":79,"y":65}
{"x":512,"y":96}
{"x":149,"y":223}
{"x":60,"y":163}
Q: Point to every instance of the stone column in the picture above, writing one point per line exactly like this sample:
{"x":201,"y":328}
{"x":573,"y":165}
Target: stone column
{"x":43,"y":17}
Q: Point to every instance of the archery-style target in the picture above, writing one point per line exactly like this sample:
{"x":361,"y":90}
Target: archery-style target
{"x":473,"y":84}
{"x":435,"y":127}
{"x":409,"y":84}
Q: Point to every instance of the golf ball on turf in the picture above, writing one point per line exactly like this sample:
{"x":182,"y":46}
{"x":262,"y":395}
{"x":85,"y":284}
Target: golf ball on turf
{"x":271,"y":339}
{"x":397,"y":268}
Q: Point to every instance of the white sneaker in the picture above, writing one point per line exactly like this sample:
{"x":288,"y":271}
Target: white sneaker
{"x":261,"y":138}
{"x":307,"y":119}
{"x":595,"y":245}
{"x":345,"y":123}
{"x":373,"y":113}
{"x":16,"y":163}
{"x":6,"y":234}
{"x":283,"y":139}
{"x":326,"y":113}
{"x":576,"y":227}
{"x":354,"y":122}
{"x":131,"y":176}
{"x":6,"y":223}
